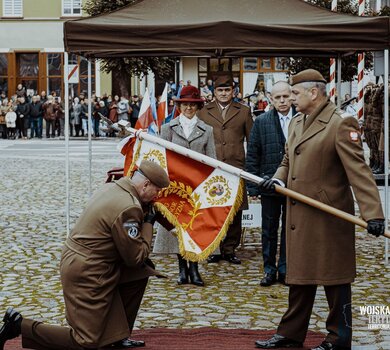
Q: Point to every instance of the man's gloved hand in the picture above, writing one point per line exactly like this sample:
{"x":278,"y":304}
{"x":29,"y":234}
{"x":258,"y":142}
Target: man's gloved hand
{"x":376,"y":227}
{"x":267,"y":185}
{"x":150,"y":216}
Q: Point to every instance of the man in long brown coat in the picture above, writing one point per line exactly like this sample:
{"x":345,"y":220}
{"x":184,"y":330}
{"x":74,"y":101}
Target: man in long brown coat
{"x":232,"y":123}
{"x":324,"y":157}
{"x":104,"y":269}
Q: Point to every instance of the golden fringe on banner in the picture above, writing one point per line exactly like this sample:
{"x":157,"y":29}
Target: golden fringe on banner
{"x":221,"y":235}
{"x":175,"y":222}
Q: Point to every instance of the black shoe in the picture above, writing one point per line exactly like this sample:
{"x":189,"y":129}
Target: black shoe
{"x":268,"y":280}
{"x":214,"y":258}
{"x":278,"y":341}
{"x":194,"y":274}
{"x":232,"y":259}
{"x":128,"y":343}
{"x":12,"y":326}
{"x":282,"y":278}
{"x":329,"y":346}
{"x":183,"y":270}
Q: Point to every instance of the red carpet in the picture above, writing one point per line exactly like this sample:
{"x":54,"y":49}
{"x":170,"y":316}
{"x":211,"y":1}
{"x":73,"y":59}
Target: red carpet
{"x":199,"y":339}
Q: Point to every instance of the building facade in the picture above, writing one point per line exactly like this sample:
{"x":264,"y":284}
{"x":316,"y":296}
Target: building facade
{"x":32,"y":49}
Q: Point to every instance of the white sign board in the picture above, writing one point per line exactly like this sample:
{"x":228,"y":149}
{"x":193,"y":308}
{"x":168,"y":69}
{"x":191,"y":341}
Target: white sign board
{"x":252,"y":217}
{"x":73,"y":74}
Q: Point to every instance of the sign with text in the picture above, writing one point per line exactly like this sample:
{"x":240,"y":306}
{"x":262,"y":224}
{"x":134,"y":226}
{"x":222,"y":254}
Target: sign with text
{"x":252,"y":217}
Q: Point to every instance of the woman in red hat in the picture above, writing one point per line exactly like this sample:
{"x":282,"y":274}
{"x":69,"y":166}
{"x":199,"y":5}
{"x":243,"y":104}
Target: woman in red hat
{"x":188,"y":131}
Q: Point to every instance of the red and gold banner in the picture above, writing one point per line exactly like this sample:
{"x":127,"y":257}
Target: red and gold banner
{"x":200,"y":202}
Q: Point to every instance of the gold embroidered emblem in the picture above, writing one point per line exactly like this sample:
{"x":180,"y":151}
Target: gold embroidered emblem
{"x":218,"y":190}
{"x":186,"y":193}
{"x":156,"y":156}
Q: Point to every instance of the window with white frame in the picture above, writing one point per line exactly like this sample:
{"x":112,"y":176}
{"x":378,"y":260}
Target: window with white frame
{"x":71,"y":7}
{"x":13,"y":8}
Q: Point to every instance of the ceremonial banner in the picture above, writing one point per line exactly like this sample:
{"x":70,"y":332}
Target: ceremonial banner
{"x":200,"y":202}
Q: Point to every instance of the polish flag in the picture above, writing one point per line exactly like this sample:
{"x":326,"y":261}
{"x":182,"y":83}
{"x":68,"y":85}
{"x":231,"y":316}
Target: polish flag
{"x":145,"y":118}
{"x":162,"y":110}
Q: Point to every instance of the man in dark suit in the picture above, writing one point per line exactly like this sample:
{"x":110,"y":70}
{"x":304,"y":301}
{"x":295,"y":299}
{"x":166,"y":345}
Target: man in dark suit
{"x":265,"y":152}
{"x":232,"y":123}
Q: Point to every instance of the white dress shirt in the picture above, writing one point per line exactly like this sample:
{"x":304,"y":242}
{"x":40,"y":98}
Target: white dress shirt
{"x":285,"y":122}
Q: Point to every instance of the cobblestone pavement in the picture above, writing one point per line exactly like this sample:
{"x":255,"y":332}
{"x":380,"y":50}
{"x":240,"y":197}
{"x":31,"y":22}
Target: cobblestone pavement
{"x":32,"y":230}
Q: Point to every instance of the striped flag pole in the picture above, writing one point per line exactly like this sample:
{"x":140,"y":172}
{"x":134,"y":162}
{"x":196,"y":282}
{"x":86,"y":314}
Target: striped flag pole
{"x":361,"y":70}
{"x":332,"y":80}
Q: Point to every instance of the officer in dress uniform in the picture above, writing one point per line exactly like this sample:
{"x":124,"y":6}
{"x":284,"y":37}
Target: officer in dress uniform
{"x":104,"y":269}
{"x":324,"y":158}
{"x":232,"y":123}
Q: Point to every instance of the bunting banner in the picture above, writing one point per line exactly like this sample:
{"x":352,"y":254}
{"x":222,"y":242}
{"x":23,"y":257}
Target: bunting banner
{"x":200,"y":202}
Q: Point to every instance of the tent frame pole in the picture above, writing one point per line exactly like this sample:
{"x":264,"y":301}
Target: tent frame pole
{"x":89,"y":128}
{"x":386,"y":135}
{"x":66,"y":130}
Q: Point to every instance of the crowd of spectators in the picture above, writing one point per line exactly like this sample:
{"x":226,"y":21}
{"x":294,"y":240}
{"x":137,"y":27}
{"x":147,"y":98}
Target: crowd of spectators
{"x":24,"y":117}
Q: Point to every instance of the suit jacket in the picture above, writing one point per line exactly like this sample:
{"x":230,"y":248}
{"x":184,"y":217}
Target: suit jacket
{"x":265,"y":148}
{"x":201,"y":139}
{"x":109,"y":245}
{"x":230,"y":133}
{"x":322,"y":161}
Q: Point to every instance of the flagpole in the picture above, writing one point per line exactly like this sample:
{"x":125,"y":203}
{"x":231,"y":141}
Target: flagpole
{"x":248,"y":176}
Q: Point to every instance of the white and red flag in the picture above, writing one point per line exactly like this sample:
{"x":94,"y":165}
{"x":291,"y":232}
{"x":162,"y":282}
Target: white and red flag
{"x":162,"y":110}
{"x":145,"y":117}
{"x":200,"y":202}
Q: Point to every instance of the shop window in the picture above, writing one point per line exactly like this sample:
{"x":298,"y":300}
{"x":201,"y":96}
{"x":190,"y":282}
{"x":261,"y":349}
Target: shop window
{"x":281,"y":63}
{"x":82,"y":87}
{"x":235,"y":64}
{"x":28,"y":65}
{"x":71,"y":7}
{"x":13,"y":8}
{"x":4,"y":73}
{"x":27,"y":69}
{"x":4,"y":85}
{"x":250,"y":63}
{"x":84,"y":84}
{"x":214,"y":64}
{"x":265,"y":63}
{"x":202,"y":64}
{"x":54,"y":73}
{"x":224,"y":64}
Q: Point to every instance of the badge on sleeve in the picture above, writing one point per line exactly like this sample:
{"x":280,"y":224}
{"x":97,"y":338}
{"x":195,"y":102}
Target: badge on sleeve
{"x":132,"y":228}
{"x":354,"y":135}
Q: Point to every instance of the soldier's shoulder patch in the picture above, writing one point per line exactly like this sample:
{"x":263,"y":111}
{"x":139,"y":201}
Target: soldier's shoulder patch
{"x":354,"y":136}
{"x":132,"y":228}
